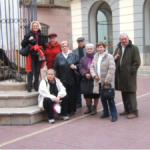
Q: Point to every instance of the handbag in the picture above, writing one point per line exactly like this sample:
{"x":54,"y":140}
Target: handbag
{"x":107,"y":93}
{"x":87,"y":85}
{"x":25,"y":50}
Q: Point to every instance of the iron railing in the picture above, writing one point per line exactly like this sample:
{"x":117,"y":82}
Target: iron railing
{"x":15,"y":19}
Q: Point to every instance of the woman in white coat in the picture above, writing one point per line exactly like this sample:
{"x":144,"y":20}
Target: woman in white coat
{"x":51,"y":91}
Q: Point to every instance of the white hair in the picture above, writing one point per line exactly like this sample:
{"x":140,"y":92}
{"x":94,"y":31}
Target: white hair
{"x":89,"y":44}
{"x":51,"y":70}
{"x":122,"y":34}
{"x":35,"y":22}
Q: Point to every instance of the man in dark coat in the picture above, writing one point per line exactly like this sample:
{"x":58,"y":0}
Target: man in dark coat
{"x":127,"y":59}
{"x":80,"y":51}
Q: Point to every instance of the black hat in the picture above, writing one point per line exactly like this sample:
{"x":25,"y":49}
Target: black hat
{"x":80,"y":39}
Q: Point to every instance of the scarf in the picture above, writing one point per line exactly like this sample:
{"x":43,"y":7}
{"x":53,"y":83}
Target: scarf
{"x":36,"y":35}
{"x":91,"y":56}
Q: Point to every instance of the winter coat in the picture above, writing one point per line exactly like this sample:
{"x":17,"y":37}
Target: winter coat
{"x":107,"y":68}
{"x":44,"y":91}
{"x":76,"y":51}
{"x":63,"y":71}
{"x":83,"y":65}
{"x":126,"y":72}
{"x":50,"y":54}
{"x":26,"y":41}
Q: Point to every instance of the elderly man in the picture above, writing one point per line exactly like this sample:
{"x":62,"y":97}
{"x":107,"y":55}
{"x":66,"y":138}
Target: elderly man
{"x":127,"y":60}
{"x":80,"y":51}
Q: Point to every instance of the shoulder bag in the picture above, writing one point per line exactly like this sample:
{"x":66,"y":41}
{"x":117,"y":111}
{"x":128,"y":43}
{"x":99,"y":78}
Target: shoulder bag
{"x":87,"y":85}
{"x":25,"y":50}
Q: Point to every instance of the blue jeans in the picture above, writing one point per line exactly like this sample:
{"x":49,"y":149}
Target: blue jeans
{"x":111,"y":104}
{"x":112,"y":107}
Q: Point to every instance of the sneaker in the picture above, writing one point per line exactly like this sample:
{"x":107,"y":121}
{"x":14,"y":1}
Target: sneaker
{"x":63,"y":118}
{"x":51,"y":121}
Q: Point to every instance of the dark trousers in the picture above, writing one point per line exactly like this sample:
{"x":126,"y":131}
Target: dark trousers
{"x":35,"y":70}
{"x":48,"y":106}
{"x":130,"y":102}
{"x":72,"y":93}
{"x":79,"y":99}
{"x":111,"y":103}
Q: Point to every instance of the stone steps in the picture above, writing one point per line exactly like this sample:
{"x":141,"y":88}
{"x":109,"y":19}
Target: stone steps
{"x":17,"y":106}
{"x":144,"y":71}
{"x":18,"y":98}
{"x":21,"y":116}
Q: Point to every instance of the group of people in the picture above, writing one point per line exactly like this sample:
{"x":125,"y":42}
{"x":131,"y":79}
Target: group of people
{"x":67,"y":69}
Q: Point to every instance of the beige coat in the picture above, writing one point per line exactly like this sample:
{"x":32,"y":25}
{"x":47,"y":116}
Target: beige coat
{"x":107,"y":68}
{"x":44,"y":91}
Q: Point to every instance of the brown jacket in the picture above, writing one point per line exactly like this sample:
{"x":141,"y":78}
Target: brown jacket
{"x":126,"y":73}
{"x":107,"y":68}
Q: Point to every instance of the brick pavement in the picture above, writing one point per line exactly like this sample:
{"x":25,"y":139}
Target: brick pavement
{"x":87,"y":132}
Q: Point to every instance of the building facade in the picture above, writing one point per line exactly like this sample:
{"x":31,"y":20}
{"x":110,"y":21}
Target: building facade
{"x":104,"y":20}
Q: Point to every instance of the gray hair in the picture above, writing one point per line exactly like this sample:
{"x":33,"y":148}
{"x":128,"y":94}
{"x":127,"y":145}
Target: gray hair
{"x":89,"y":44}
{"x":51,"y":70}
{"x":122,"y":34}
{"x":35,"y":22}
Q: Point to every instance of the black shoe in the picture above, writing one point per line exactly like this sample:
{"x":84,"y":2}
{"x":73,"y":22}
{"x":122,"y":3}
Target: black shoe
{"x":29,"y":90}
{"x":72,"y":113}
{"x":114,"y":118}
{"x":78,"y":106}
{"x":36,"y":89}
{"x":104,"y":116}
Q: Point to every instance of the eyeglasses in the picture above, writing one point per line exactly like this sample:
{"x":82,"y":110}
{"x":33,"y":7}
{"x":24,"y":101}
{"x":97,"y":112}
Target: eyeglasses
{"x":64,"y":46}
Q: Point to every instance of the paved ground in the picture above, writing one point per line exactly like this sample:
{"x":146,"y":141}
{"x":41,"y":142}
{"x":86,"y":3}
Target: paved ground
{"x":86,"y":131}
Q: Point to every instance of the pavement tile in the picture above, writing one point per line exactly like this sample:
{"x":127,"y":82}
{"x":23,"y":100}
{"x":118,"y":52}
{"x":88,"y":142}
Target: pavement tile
{"x":89,"y":132}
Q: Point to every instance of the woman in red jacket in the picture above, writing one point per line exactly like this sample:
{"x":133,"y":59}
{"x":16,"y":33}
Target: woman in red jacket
{"x":52,"y":49}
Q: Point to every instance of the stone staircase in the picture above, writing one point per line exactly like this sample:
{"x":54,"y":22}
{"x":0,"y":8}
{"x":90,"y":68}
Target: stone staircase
{"x":144,"y":71}
{"x":17,"y":106}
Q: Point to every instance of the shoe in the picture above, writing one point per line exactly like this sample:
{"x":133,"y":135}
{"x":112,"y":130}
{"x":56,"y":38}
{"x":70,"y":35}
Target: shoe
{"x":36,"y":89}
{"x":114,"y":118}
{"x":63,"y":117}
{"x":104,"y":116}
{"x":89,"y":110}
{"x":79,"y":106}
{"x":29,"y":90}
{"x":124,"y":113}
{"x":131,"y":116}
{"x":72,"y":113}
{"x":94,"y":111}
{"x":51,"y":121}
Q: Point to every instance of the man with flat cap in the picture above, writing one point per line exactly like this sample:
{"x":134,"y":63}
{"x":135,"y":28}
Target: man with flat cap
{"x":52,"y":49}
{"x":80,"y":51}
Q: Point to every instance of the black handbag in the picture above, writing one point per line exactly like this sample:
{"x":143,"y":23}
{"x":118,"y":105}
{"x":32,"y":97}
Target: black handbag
{"x":107,"y":93}
{"x":25,"y":50}
{"x":87,"y":85}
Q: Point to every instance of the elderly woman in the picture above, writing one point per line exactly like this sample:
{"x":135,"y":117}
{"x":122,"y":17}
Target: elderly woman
{"x":84,"y":69}
{"x":33,"y":64}
{"x":51,"y":91}
{"x":66,"y":65}
{"x":103,"y":70}
{"x":52,"y":49}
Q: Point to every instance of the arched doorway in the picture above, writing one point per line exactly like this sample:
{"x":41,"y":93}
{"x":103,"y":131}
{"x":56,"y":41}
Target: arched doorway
{"x":100,"y":24}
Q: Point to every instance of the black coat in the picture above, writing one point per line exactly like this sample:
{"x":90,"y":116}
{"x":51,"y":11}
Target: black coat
{"x":126,"y":72}
{"x":26,"y":41}
{"x":63,"y":71}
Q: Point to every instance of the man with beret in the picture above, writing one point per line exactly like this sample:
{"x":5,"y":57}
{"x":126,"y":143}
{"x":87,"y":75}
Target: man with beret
{"x":52,"y":49}
{"x":80,"y":51}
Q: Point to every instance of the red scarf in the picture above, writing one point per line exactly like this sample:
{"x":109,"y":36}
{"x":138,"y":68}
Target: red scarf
{"x":36,"y":35}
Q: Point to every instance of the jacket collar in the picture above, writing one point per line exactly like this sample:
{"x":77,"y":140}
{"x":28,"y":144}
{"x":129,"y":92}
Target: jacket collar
{"x":97,"y":54}
{"x":130,"y":43}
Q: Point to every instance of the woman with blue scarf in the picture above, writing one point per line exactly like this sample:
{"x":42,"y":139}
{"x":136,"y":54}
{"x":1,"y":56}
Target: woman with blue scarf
{"x":84,"y":68}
